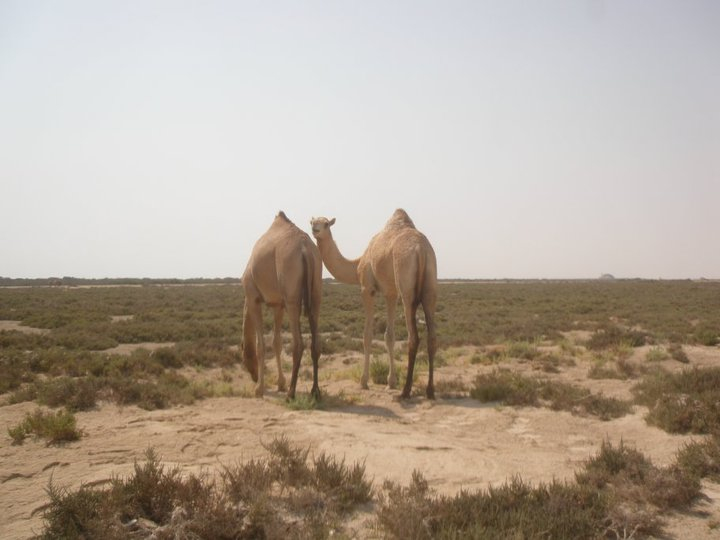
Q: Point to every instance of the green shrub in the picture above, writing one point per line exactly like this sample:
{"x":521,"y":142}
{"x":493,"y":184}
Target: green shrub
{"x":707,"y":335}
{"x":55,"y":428}
{"x":656,"y":354}
{"x":505,"y":386}
{"x":684,"y":402}
{"x":379,"y":371}
{"x":614,"y":336}
{"x":74,"y":394}
{"x":514,"y":389}
{"x":522,"y":349}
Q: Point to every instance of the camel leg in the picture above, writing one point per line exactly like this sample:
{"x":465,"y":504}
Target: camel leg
{"x":297,"y":345}
{"x":390,"y":339}
{"x":431,"y":346}
{"x":256,"y":315}
{"x":249,"y":349}
{"x":277,"y":346}
{"x":315,"y":350}
{"x":369,"y":306}
{"x":413,"y":342}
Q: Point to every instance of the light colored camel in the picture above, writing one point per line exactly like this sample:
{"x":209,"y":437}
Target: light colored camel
{"x":284,"y":272}
{"x":399,"y":260}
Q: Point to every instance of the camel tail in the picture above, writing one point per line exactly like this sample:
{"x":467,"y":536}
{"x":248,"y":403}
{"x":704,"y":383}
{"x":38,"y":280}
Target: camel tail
{"x":249,"y":351}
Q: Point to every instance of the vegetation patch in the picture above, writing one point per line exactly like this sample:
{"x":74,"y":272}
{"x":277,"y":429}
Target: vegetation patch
{"x":512,"y":388}
{"x":702,"y":458}
{"x":677,"y":353}
{"x":285,"y":495}
{"x":657,"y":354}
{"x":685,"y":402}
{"x":55,"y":428}
{"x":613,"y":336}
{"x":619,"y":493}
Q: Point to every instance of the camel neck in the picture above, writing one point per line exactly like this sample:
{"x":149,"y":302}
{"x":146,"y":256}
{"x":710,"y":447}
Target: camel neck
{"x":342,"y":269}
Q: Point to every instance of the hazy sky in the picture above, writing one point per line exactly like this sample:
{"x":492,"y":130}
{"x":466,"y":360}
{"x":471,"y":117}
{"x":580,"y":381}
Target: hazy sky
{"x":548,"y":139}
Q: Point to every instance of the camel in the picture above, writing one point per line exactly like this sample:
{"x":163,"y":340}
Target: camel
{"x":399,"y":260}
{"x":284,"y":272}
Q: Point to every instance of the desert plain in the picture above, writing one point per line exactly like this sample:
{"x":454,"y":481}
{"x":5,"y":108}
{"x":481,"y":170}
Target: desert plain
{"x":459,"y":442}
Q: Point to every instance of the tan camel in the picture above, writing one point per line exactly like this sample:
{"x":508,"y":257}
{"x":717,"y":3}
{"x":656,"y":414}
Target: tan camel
{"x":284,"y":272}
{"x":398,"y":261}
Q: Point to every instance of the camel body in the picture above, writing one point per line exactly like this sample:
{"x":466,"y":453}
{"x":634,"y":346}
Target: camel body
{"x":399,"y":261}
{"x":285,"y":273}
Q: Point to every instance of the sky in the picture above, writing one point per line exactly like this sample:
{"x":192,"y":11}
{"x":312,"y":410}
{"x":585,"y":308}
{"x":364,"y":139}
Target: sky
{"x":526,"y":139}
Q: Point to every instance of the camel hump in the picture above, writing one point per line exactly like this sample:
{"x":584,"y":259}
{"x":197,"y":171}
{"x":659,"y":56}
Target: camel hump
{"x":282,"y":216}
{"x":400,"y":218}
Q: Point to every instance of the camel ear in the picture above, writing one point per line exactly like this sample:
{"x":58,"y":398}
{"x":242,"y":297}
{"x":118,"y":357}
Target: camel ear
{"x":331,"y":222}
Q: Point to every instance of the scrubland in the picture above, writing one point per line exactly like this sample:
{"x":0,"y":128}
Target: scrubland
{"x":577,"y":409}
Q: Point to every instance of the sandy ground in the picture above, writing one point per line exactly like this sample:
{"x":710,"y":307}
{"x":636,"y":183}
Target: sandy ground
{"x":457,"y":443}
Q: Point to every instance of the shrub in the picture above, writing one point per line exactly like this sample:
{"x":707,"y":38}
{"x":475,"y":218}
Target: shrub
{"x":514,"y":389}
{"x":701,"y":458}
{"x":55,"y":428}
{"x":682,"y":402}
{"x":628,"y":474}
{"x":345,"y":486}
{"x":614,"y":336}
{"x":707,"y":335}
{"x":513,"y":510}
{"x":74,"y":394}
{"x":523,"y":349}
{"x":656,"y":354}
{"x":72,"y":514}
{"x":283,"y":496}
{"x":379,"y":371}
{"x":677,"y":353}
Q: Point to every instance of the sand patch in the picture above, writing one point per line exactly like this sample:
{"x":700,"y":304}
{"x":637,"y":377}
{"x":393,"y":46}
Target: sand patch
{"x":19,"y":327}
{"x":127,"y":349}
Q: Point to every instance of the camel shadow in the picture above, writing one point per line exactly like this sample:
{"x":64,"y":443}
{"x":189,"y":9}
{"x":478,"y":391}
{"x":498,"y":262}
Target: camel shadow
{"x":450,"y":400}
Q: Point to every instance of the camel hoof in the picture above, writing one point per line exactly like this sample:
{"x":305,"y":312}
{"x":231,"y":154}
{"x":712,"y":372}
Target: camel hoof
{"x":405,"y":395}
{"x":281,"y":385}
{"x":392,"y":382}
{"x":259,"y":391}
{"x":315,"y":393}
{"x":364,"y":383}
{"x":430,"y":393}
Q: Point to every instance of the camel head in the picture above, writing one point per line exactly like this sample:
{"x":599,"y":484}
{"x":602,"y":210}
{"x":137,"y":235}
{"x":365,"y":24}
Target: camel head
{"x":321,"y":227}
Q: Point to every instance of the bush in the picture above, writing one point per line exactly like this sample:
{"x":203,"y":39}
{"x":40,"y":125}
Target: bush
{"x":55,"y":428}
{"x":685,"y":402}
{"x":523,"y":349}
{"x":701,"y":458}
{"x":74,"y":394}
{"x":707,"y":335}
{"x":284,"y":496}
{"x":629,"y":474}
{"x":614,"y":336}
{"x":513,"y":510}
{"x":677,"y":353}
{"x":656,"y":354}
{"x":505,"y":386}
{"x":514,"y":389}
